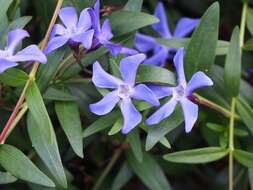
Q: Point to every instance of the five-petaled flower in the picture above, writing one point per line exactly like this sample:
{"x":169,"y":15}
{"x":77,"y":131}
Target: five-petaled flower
{"x":8,"y":56}
{"x":103,"y":34}
{"x":73,"y":32}
{"x":161,"y":53}
{"x":181,"y":93}
{"x":123,"y":91}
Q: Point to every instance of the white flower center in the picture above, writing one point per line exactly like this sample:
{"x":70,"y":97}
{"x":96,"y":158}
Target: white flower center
{"x":179,"y":92}
{"x":125,"y":90}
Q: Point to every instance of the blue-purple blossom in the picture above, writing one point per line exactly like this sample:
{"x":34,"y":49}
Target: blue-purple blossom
{"x":103,"y":34}
{"x":8,"y":56}
{"x":182,"y":94}
{"x":161,"y":53}
{"x":123,"y":91}
{"x":74,"y":31}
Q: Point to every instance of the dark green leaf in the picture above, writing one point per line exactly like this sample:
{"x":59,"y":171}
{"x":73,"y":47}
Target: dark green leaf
{"x":250,"y":20}
{"x":116,"y":127}
{"x":246,"y":113}
{"x":149,"y":172}
{"x":57,"y":95}
{"x":248,"y":45}
{"x":151,"y":73}
{"x":47,"y":151}
{"x":200,"y":52}
{"x":15,"y":162}
{"x":69,"y":117}
{"x":156,"y":132}
{"x":6,"y":178}
{"x":245,"y":158}
{"x":133,"y":138}
{"x":123,"y":22}
{"x":233,"y":65}
{"x":133,"y":5}
{"x":14,"y":77}
{"x":197,"y":156}
{"x":4,"y":7}
{"x":19,"y":22}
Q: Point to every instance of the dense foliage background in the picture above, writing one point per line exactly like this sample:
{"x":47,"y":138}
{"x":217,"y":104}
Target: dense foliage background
{"x":99,"y":156}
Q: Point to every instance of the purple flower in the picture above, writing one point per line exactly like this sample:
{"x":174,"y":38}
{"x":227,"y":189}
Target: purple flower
{"x":123,"y":91}
{"x":180,"y":94}
{"x":103,"y":34}
{"x":73,"y":31}
{"x":161,"y":53}
{"x":8,"y":56}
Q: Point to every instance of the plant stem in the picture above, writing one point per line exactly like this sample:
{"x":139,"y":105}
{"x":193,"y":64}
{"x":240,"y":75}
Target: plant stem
{"x":243,"y":23}
{"x":108,"y":169}
{"x":203,"y":101}
{"x":231,"y":143}
{"x":9,"y":125}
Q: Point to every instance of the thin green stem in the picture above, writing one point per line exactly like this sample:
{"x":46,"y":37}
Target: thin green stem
{"x":243,"y":23}
{"x":231,"y":143}
{"x":107,"y":169}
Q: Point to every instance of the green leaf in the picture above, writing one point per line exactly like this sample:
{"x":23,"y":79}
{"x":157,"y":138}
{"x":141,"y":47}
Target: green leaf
{"x":250,"y":20}
{"x":19,"y":22}
{"x":149,"y":172}
{"x":246,"y":113}
{"x":233,"y":65}
{"x":197,"y":156}
{"x":14,"y":77}
{"x":245,"y":158}
{"x":221,"y":48}
{"x":133,"y":5}
{"x":200,"y":52}
{"x":156,"y":132}
{"x":155,"y":74}
{"x":57,"y":95}
{"x":248,"y":45}
{"x":15,"y":162}
{"x":116,"y":127}
{"x":114,"y":68}
{"x":133,"y":138}
{"x":39,"y":112}
{"x":123,"y":22}
{"x":101,"y":124}
{"x":69,"y":117}
{"x":5,"y":4}
{"x":47,"y":151}
{"x":6,"y":178}
{"x":250,"y":174}
{"x":216,"y":127}
{"x":123,"y":176}
{"x":46,"y":72}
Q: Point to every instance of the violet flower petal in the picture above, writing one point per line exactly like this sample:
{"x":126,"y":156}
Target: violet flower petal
{"x":158,"y":58}
{"x":160,"y":91}
{"x":185,"y":26}
{"x":106,"y":30}
{"x":142,"y":92}
{"x":105,"y":105}
{"x":85,"y":38}
{"x":198,"y":80}
{"x":15,"y":37}
{"x":102,"y":79}
{"x":165,"y":111}
{"x":6,"y":64}
{"x":55,"y":43}
{"x":190,"y":111}
{"x":179,"y":64}
{"x":58,"y":29}
{"x":68,"y":16}
{"x":128,"y":67}
{"x":30,"y":53}
{"x":84,"y":20}
{"x":130,"y":114}
{"x":144,"y":43}
{"x":162,"y":27}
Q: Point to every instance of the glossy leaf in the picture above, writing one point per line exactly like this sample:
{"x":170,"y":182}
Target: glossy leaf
{"x":197,"y":156}
{"x":116,"y":127}
{"x":14,"y":77}
{"x":200,"y":52}
{"x":5,"y":4}
{"x":133,"y":5}
{"x":244,"y":157}
{"x":57,"y":95}
{"x":6,"y":178}
{"x":69,"y":117}
{"x":133,"y":138}
{"x":250,"y":20}
{"x":246,"y":113}
{"x":15,"y":162}
{"x":233,"y":65}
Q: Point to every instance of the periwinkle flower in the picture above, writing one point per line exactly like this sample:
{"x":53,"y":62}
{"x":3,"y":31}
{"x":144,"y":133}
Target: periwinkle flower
{"x":161,"y":53}
{"x":123,"y":91}
{"x":103,"y":34}
{"x":182,"y":94}
{"x":73,"y":31}
{"x":8,"y":56}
